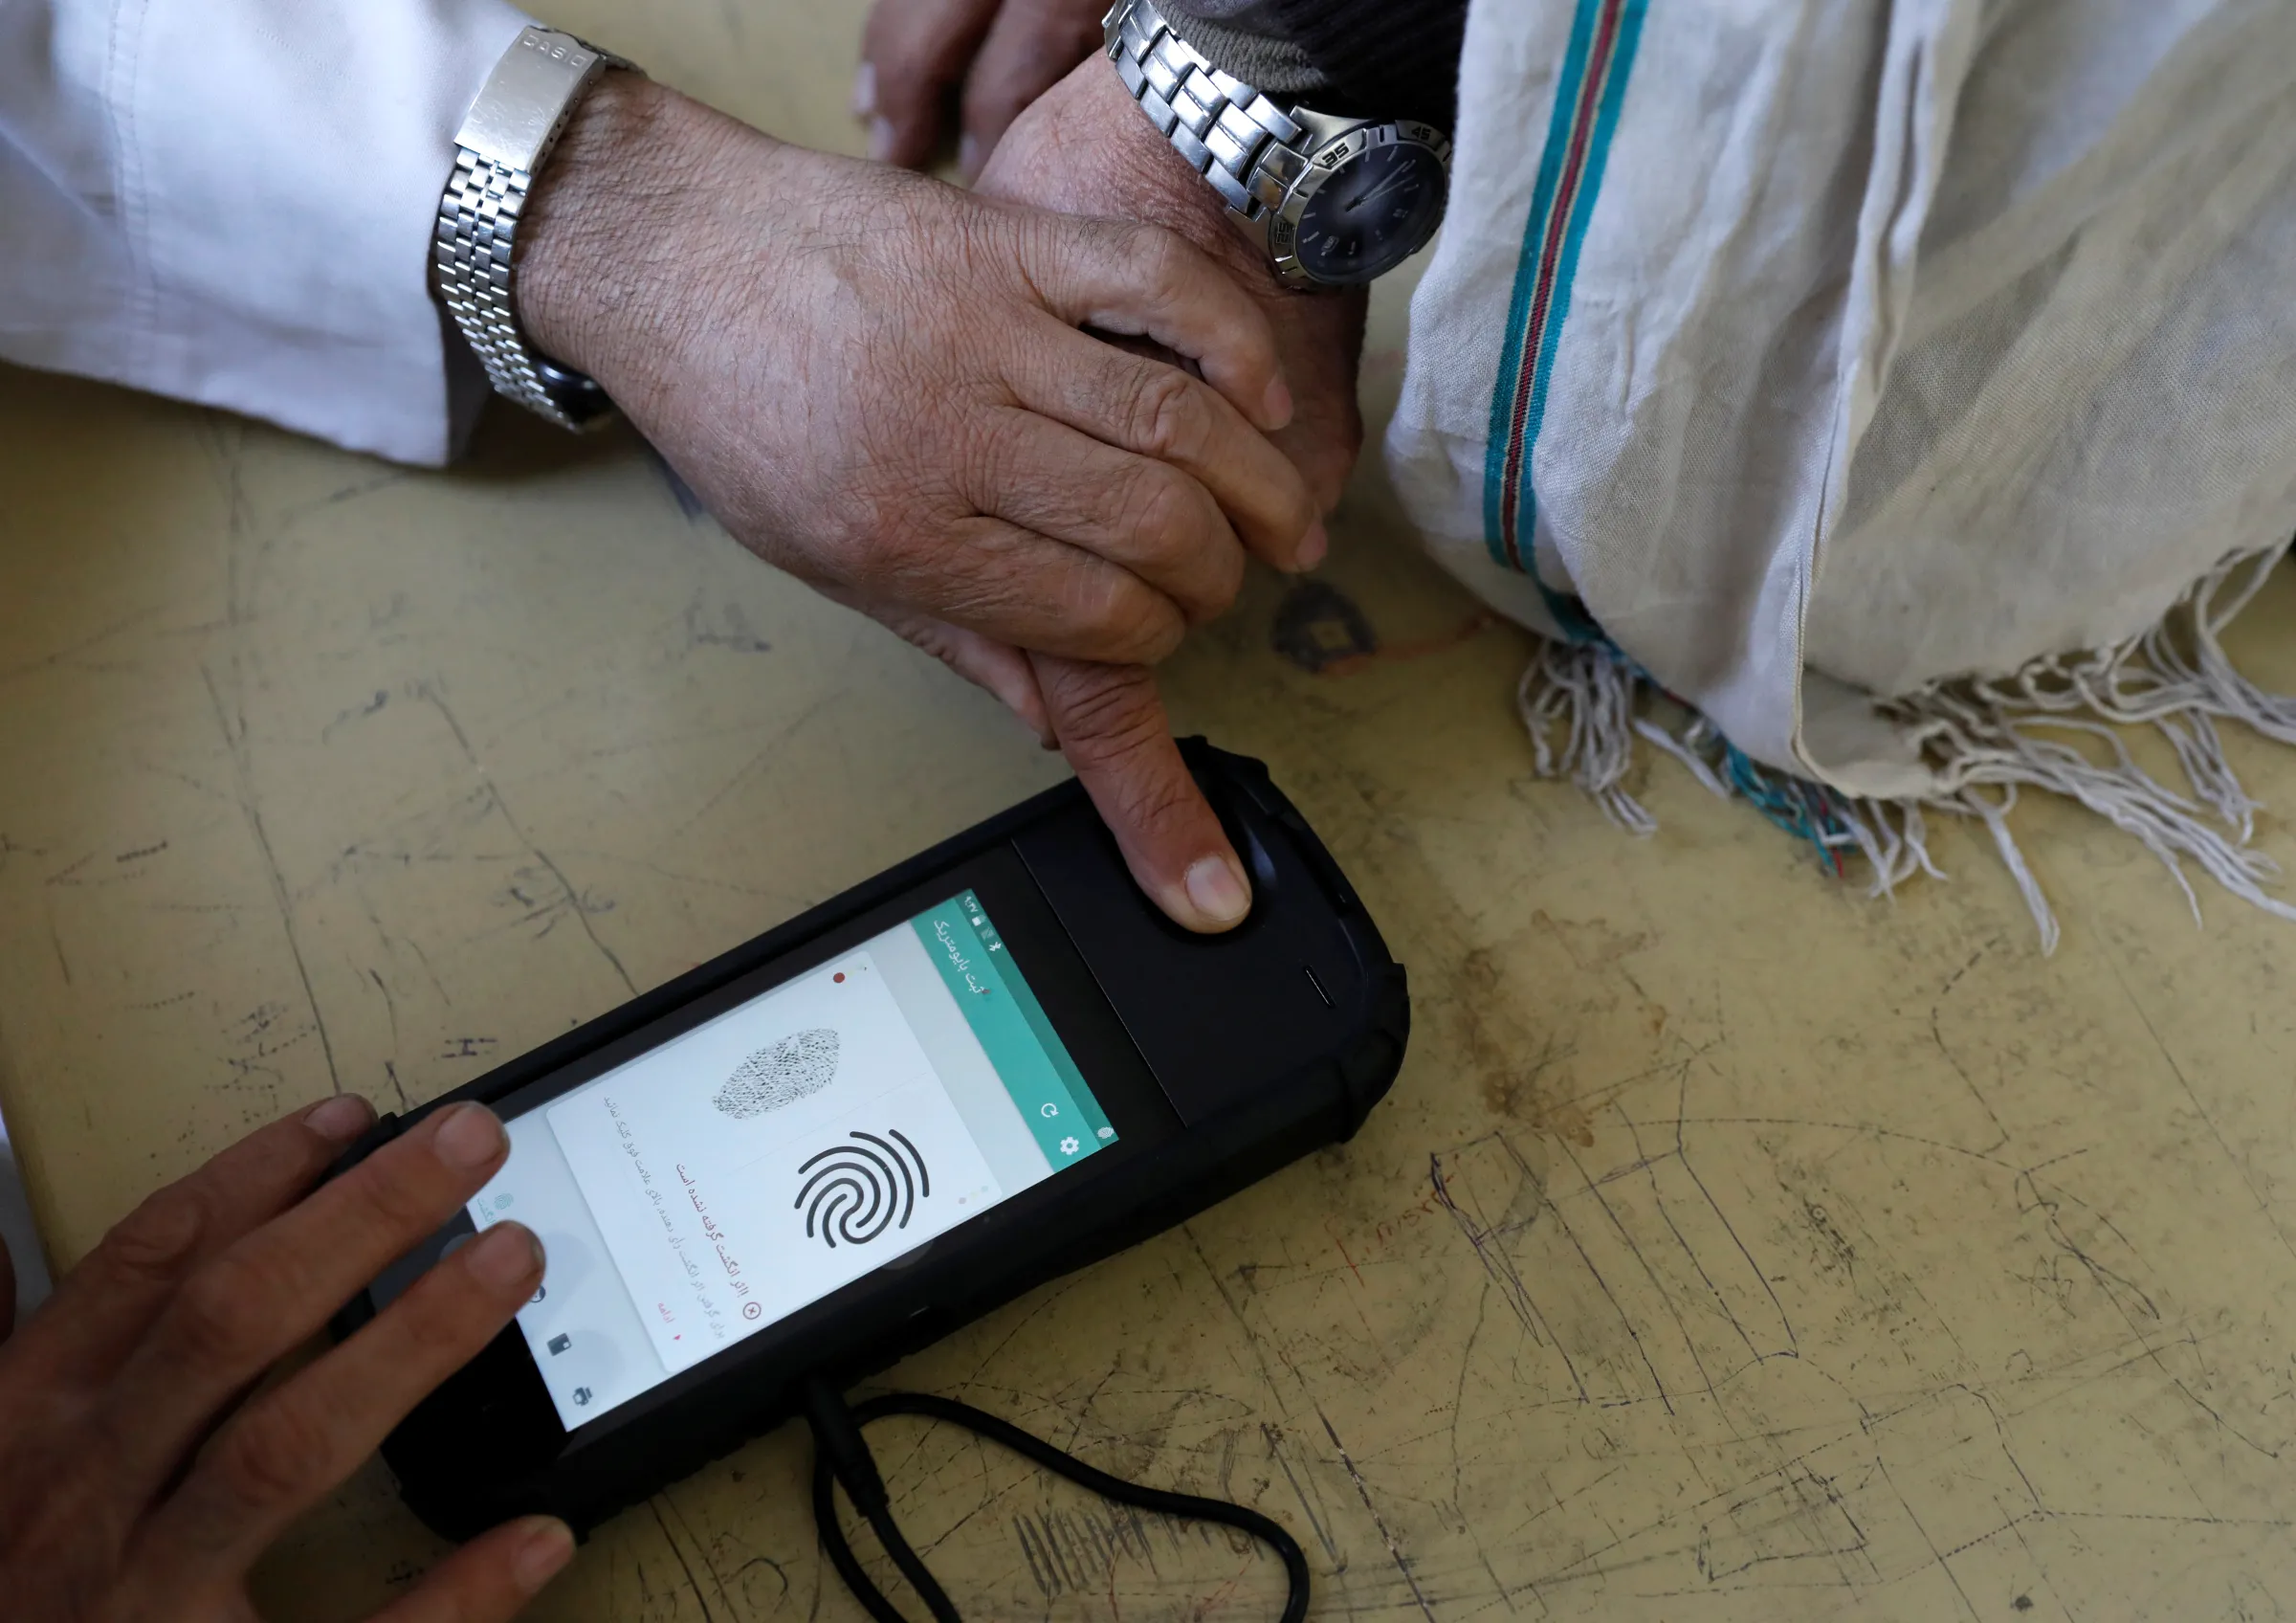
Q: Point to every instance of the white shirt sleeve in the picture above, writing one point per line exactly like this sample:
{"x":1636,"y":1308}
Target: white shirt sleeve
{"x":231,"y":202}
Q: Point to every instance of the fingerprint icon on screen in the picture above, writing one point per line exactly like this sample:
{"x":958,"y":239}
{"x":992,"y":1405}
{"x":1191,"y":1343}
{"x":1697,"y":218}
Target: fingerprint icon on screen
{"x":853,"y":1192}
{"x":801,"y":1063}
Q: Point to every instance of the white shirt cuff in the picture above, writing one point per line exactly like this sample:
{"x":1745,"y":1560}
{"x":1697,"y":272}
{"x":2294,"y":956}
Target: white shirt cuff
{"x":231,"y":202}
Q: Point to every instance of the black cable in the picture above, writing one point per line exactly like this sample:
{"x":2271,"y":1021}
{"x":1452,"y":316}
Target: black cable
{"x":840,"y":1452}
{"x":841,"y":1455}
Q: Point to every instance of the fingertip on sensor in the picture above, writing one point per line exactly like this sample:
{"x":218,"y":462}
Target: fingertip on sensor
{"x":1218,"y":892}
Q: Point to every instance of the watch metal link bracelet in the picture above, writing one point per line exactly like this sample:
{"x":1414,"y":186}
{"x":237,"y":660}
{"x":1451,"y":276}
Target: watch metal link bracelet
{"x":1337,"y":201}
{"x":504,"y":141}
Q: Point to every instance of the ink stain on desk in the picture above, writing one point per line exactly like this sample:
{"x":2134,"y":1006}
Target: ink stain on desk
{"x":727,"y":626}
{"x":1318,"y":627}
{"x":1325,"y":632}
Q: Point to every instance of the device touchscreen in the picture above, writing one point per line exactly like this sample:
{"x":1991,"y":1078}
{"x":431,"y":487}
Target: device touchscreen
{"x":745,"y":1168}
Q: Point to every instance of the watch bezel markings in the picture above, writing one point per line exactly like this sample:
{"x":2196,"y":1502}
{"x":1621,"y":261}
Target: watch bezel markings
{"x":1284,"y":220}
{"x":1264,"y":163}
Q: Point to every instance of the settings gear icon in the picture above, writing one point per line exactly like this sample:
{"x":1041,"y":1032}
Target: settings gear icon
{"x":1069,"y":1146}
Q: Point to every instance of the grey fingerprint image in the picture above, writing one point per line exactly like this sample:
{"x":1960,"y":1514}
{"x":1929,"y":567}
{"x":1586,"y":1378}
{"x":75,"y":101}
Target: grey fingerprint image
{"x":801,"y":1063}
{"x":855,"y":1191}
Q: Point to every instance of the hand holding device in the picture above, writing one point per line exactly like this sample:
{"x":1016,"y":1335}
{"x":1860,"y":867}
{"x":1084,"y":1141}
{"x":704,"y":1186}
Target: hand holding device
{"x":138,"y":1477}
{"x":880,"y":384}
{"x":779,"y":1174}
{"x":877,"y":382}
{"x":1084,"y":150}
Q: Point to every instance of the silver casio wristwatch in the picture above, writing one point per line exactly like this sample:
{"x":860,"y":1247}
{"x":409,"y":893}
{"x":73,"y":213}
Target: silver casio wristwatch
{"x":1339,"y":201}
{"x":504,"y":139}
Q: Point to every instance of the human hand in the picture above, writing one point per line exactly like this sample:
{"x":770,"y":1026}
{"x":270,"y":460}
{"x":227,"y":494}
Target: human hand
{"x":918,"y":56}
{"x":140,"y":1479}
{"x":879,"y":384}
{"x":1085,"y":148}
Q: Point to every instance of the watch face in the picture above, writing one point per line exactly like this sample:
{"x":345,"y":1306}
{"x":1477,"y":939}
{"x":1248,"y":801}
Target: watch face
{"x":1372,"y":214}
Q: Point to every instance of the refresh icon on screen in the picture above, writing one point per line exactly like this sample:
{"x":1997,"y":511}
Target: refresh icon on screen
{"x":1048,"y":1111}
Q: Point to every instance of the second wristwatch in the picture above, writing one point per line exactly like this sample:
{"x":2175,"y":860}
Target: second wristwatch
{"x":1337,"y":201}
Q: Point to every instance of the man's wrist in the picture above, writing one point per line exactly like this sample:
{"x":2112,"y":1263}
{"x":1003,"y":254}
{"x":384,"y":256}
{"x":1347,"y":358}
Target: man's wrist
{"x":601,"y":223}
{"x":1168,"y":190}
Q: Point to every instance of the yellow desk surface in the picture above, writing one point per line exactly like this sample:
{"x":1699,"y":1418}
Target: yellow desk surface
{"x":1734,"y":1247}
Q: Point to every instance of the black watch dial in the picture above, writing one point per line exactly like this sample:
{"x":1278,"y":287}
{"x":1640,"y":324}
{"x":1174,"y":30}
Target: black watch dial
{"x":1372,"y":214}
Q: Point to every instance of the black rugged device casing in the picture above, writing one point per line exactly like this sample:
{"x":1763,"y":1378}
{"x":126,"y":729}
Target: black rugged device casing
{"x":1232,"y":1138}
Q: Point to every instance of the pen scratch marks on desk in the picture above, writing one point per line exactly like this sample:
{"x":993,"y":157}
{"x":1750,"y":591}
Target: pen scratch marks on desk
{"x":1467,"y":1361}
{"x":55,"y":942}
{"x":1395,"y":1550}
{"x":684,"y":1562}
{"x":1797,"y":1515}
{"x":1081,"y":1552}
{"x":356,"y":713}
{"x":1316,"y":1523}
{"x":2239,"y":1164}
{"x":1251,"y":1338}
{"x":729,"y":628}
{"x":360,"y":489}
{"x":778,"y":745}
{"x":233,"y":724}
{"x":390,"y":1065}
{"x":1931,"y":1544}
{"x":2141,"y":1314}
{"x":573,"y":899}
{"x":10,"y":849}
{"x":1660,"y":1261}
{"x":1486,"y":1234}
{"x":70,"y":651}
{"x":743,"y":1574}
{"x":68,"y":874}
{"x":1043,"y":1302}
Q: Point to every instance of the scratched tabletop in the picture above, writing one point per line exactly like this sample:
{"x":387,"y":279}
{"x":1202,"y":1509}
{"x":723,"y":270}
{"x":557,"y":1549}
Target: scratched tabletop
{"x":1733,"y":1246}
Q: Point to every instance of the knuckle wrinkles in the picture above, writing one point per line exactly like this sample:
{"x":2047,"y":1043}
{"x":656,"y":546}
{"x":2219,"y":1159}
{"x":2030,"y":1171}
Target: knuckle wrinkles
{"x":964,"y":569}
{"x":1165,"y":421}
{"x":1148,"y":796}
{"x":997,"y":456}
{"x":1177,"y":537}
{"x":278,"y":1455}
{"x":397,"y":1205}
{"x":156,"y":1238}
{"x":1103,"y":718}
{"x":1154,"y":798}
{"x":1112,"y":629}
{"x":1159,"y":517}
{"x":1120,"y":613}
{"x":223,"y":1314}
{"x":1164,"y":261}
